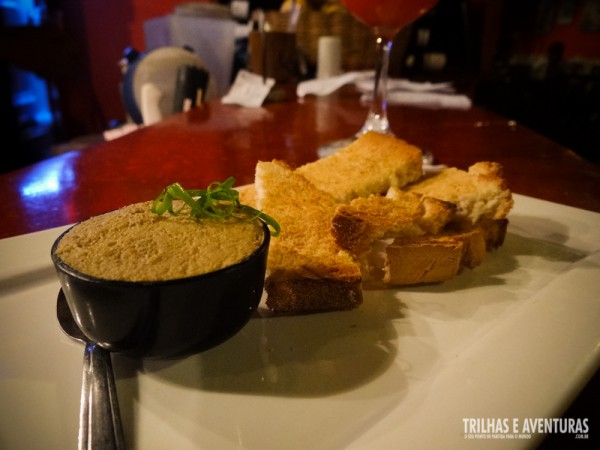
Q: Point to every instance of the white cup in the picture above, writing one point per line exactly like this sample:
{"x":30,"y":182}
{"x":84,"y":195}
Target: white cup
{"x":329,"y":57}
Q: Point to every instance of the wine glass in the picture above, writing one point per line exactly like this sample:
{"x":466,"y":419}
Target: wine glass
{"x":386,"y":18}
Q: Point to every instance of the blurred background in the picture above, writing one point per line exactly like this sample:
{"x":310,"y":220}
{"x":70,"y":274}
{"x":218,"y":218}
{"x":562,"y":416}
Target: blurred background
{"x":62,"y":62}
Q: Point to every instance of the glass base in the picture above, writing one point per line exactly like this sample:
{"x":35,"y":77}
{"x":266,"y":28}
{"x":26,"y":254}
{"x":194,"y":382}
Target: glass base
{"x":376,"y":122}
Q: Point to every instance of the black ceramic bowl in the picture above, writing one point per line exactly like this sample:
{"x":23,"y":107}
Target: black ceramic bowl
{"x":165,"y":319}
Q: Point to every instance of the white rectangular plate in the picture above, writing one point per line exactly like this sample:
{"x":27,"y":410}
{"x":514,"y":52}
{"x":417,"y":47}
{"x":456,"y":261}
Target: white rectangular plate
{"x":515,"y":338}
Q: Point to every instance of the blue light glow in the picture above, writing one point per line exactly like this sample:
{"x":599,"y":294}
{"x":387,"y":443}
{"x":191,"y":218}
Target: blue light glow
{"x":50,"y":177}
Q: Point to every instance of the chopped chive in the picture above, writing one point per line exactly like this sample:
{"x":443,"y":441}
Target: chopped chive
{"x":217,"y":201}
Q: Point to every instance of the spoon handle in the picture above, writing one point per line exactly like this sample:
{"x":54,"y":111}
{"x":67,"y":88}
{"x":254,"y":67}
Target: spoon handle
{"x":99,"y":417}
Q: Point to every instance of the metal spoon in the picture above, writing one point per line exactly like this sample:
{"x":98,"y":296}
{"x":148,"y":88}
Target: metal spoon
{"x":99,"y":418}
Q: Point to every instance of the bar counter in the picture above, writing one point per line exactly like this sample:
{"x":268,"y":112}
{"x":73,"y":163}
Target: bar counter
{"x":215,"y":141}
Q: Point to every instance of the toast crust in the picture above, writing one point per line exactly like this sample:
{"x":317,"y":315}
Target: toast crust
{"x":303,"y":295}
{"x":428,"y":261}
{"x":434,"y":259}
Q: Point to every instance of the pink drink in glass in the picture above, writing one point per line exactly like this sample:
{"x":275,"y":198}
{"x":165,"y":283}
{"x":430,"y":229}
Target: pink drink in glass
{"x":388,"y":16}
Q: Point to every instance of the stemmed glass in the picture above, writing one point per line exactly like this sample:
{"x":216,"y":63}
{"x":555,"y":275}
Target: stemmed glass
{"x":386,"y":18}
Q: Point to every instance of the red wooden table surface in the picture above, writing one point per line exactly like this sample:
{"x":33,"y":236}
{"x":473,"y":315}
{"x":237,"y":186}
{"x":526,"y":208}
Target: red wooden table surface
{"x":217,"y":141}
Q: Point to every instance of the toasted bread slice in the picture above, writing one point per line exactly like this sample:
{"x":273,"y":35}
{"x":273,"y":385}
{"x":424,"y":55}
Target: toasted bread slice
{"x":307,"y":270}
{"x":370,"y":165}
{"x":435,"y":213}
{"x":356,"y":225}
{"x":478,"y":193}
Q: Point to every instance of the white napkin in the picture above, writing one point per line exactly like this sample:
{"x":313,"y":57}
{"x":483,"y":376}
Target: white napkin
{"x":248,"y":90}
{"x":400,"y":91}
{"x":429,"y":100}
{"x":325,"y":86}
{"x":365,"y":84}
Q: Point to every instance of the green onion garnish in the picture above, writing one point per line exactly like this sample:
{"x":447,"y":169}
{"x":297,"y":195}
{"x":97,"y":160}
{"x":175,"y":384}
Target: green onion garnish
{"x":217,"y":201}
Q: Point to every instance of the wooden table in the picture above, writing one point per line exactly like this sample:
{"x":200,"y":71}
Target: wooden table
{"x":217,"y":141}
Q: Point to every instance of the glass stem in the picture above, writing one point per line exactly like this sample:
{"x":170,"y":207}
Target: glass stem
{"x":377,"y":119}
